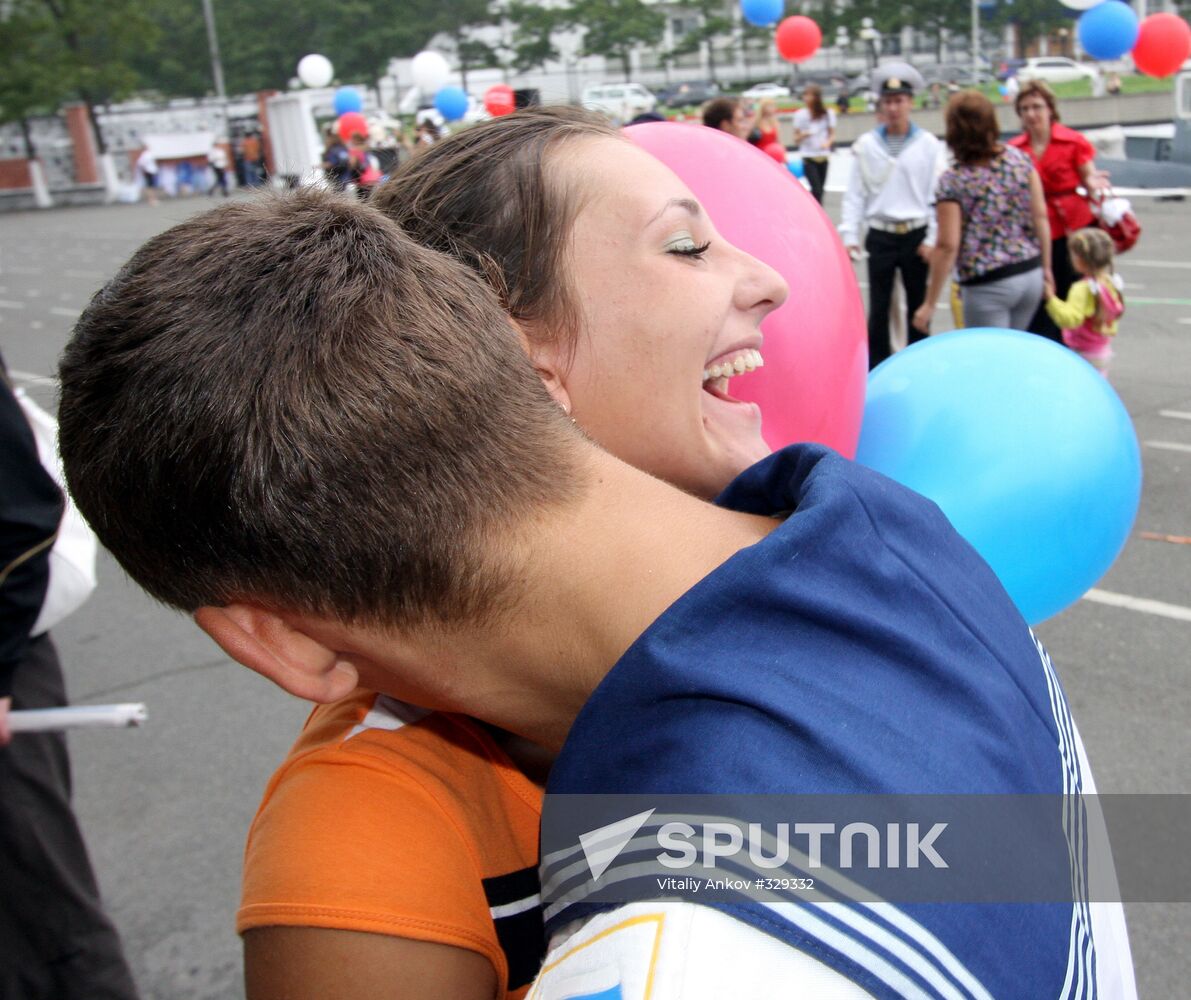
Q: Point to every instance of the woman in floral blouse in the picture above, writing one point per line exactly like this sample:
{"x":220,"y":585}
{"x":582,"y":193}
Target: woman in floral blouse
{"x":993,"y":228}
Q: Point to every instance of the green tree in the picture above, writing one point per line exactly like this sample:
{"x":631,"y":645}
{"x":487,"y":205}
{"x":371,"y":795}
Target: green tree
{"x":33,"y":66}
{"x":715,"y":22}
{"x":99,"y":40}
{"x":533,"y":33}
{"x":1033,"y":18}
{"x":614,"y":28}
{"x":937,"y":19}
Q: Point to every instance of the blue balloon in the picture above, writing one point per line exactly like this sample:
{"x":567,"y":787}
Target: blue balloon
{"x":1025,"y":447}
{"x":762,"y":12}
{"x":796,"y":168}
{"x":1108,"y":30}
{"x":348,"y":99}
{"x":451,"y":103}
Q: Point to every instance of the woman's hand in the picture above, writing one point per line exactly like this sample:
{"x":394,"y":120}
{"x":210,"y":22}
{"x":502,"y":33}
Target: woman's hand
{"x":922,"y":317}
{"x":1048,"y":287}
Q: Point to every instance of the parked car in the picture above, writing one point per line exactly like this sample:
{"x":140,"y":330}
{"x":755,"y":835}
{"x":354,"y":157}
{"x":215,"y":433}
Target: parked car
{"x":1056,"y":69}
{"x":692,"y":92}
{"x":619,"y":101}
{"x":761,"y":91}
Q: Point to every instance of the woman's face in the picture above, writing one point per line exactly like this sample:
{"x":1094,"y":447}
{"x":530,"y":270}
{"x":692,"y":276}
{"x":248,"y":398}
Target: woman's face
{"x":1035,"y":114}
{"x":670,"y":312}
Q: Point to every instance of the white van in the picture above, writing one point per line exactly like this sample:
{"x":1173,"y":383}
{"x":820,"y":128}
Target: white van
{"x":619,"y":101}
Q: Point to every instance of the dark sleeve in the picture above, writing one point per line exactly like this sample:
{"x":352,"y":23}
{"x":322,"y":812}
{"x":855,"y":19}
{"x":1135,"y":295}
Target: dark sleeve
{"x":30,"y":511}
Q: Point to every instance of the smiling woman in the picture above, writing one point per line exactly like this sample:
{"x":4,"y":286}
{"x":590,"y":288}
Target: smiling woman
{"x":665,"y":302}
{"x":624,"y":291}
{"x":395,"y":854}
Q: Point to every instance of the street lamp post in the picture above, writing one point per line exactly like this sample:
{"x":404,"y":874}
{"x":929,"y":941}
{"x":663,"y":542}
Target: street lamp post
{"x":872,"y":40}
{"x":841,"y":42}
{"x":975,"y":42}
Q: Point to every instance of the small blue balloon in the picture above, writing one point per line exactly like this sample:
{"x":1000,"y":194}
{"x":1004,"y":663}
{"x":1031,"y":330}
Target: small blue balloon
{"x":796,"y":168}
{"x":1023,"y":444}
{"x":1108,"y":30}
{"x":451,"y":103}
{"x":762,"y":12}
{"x":348,"y":99}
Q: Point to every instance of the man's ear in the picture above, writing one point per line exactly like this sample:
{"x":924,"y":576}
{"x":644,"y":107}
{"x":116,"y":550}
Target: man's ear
{"x":549,"y":362}
{"x":278,"y":649}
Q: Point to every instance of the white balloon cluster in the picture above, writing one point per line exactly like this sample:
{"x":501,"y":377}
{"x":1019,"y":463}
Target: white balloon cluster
{"x":315,"y":70}
{"x":1081,"y":4}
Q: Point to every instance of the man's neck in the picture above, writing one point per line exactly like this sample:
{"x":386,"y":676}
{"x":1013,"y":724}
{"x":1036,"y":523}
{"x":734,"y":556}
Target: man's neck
{"x":592,"y":576}
{"x":898,"y":128}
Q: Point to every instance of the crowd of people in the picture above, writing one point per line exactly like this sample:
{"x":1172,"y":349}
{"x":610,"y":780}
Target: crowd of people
{"x":991,"y":217}
{"x":466,"y":649}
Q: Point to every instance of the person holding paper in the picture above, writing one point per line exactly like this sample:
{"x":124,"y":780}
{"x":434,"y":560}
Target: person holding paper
{"x":57,"y":942}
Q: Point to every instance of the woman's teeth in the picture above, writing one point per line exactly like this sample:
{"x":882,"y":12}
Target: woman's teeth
{"x":745,"y":361}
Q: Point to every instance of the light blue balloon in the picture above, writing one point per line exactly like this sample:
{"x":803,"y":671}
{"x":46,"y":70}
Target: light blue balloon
{"x":1108,"y":30}
{"x":761,"y":12}
{"x":348,"y":99}
{"x":451,"y":103}
{"x":796,"y":168}
{"x":1023,"y":444}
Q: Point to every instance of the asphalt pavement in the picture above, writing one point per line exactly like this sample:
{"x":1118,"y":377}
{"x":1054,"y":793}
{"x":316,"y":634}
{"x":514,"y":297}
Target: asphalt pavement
{"x":165,"y":808}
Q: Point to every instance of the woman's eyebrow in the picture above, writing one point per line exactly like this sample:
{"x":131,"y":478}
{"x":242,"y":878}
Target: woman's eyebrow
{"x":687,"y":204}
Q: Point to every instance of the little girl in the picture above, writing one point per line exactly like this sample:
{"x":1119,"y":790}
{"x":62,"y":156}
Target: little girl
{"x":1094,"y":304}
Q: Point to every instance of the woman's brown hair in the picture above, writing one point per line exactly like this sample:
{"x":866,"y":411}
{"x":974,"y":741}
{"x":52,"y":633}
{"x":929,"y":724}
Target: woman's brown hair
{"x":814,"y":100}
{"x":1037,"y":88}
{"x":487,"y":196}
{"x":973,"y":132}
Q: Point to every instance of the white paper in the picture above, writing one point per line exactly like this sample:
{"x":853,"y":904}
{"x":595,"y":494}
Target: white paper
{"x":39,"y":720}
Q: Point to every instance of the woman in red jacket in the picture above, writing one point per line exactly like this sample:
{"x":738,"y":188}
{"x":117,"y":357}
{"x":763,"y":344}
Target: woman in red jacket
{"x":1065,"y":161}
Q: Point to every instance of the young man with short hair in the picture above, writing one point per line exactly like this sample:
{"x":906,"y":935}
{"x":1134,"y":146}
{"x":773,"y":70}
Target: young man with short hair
{"x":327,"y":443}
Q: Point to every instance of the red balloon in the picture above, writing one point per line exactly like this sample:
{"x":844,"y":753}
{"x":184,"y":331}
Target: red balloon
{"x":1163,"y":44}
{"x":776,"y":150}
{"x":798,"y":38}
{"x":352,"y":123}
{"x":816,"y":344}
{"x":499,"y":100}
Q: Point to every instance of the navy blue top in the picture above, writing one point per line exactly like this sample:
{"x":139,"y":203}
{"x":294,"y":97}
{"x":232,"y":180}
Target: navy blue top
{"x":861,"y":647}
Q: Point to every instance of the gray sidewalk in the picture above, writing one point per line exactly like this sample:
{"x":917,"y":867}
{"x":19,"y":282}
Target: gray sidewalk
{"x":166,"y":808}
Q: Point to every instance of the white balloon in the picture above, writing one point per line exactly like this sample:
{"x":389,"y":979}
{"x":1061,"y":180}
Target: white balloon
{"x":430,"y":71}
{"x":315,"y":70}
{"x":1081,"y":4}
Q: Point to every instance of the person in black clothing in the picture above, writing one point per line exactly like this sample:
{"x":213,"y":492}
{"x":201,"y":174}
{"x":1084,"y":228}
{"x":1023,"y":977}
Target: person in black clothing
{"x":56,"y":943}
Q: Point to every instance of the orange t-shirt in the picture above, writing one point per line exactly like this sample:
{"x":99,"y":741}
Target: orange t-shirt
{"x":391,"y":820}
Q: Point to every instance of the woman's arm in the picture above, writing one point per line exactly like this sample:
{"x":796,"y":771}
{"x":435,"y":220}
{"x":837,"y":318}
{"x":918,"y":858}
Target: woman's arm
{"x":1093,"y":180}
{"x":1041,"y":225}
{"x":315,"y":963}
{"x":942,"y":261}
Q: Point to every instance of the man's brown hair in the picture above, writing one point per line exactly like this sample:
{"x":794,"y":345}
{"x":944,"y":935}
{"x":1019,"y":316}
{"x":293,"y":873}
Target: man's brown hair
{"x":290,"y":402}
{"x":719,"y":110}
{"x":487,"y":196}
{"x":972,"y":129}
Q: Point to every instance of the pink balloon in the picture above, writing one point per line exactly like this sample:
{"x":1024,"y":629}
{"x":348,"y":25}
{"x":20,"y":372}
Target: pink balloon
{"x":816,"y":345}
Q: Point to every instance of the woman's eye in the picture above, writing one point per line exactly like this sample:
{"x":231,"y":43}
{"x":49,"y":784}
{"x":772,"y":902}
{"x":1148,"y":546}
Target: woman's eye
{"x":685,"y":246}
